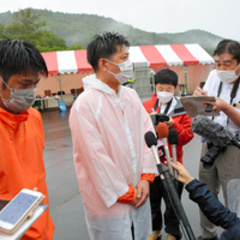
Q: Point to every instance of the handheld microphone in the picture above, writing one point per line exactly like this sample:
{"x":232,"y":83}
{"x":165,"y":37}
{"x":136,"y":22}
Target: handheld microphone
{"x":151,"y":142}
{"x":213,"y":131}
{"x":173,"y":140}
{"x":168,"y":185}
{"x":163,"y":132}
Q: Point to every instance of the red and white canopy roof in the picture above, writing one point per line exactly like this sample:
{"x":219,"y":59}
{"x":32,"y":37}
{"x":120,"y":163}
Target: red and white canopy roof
{"x":66,"y":61}
{"x":154,"y":55}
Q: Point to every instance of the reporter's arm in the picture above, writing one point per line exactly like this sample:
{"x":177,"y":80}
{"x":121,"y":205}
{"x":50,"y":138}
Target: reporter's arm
{"x":183,"y":175}
{"x":210,"y":206}
{"x":199,"y":91}
{"x":230,"y":111}
{"x":206,"y":200}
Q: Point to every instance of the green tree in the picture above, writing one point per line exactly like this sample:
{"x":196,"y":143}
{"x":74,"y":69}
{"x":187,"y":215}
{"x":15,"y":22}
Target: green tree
{"x":26,"y":25}
{"x":76,"y":47}
{"x":47,"y":41}
{"x":28,"y":28}
{"x":2,"y":30}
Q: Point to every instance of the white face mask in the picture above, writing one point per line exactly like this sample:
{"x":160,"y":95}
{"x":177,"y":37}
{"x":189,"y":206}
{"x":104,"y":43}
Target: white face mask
{"x":227,"y":76}
{"x":126,"y":71}
{"x":20,"y":99}
{"x":164,"y":97}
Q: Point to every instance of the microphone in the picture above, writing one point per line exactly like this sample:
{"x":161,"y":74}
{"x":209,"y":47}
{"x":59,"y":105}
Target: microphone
{"x":163,"y":132}
{"x":151,"y":142}
{"x":168,"y":185}
{"x":173,"y":140}
{"x":214,"y":132}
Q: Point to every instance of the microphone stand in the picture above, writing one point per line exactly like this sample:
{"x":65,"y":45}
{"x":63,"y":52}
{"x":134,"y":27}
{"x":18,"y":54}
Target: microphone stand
{"x":169,"y":187}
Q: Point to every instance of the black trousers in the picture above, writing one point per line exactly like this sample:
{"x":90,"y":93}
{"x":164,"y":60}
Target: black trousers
{"x":157,"y":193}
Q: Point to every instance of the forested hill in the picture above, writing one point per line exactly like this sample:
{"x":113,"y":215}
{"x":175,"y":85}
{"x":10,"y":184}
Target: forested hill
{"x":80,"y":28}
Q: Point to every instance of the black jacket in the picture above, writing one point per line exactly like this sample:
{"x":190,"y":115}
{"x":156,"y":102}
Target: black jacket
{"x":214,"y":210}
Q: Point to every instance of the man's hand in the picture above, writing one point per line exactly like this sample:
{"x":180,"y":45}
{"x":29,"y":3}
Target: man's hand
{"x":142,"y":193}
{"x":219,"y":105}
{"x":199,"y":91}
{"x":183,"y":175}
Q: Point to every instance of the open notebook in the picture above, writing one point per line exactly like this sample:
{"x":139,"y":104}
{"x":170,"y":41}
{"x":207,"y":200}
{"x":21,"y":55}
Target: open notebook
{"x":194,"y":105}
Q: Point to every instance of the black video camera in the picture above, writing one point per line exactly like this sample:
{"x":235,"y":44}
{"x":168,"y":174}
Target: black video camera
{"x":211,"y":155}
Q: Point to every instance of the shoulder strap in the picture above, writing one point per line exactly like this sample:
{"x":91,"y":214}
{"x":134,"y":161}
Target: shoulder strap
{"x":156,"y":105}
{"x":219,"y":89}
{"x":168,"y":106}
{"x":234,"y":90}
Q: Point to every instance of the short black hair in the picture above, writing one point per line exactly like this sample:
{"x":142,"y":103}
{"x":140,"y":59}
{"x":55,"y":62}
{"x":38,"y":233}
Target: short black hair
{"x":20,"y":57}
{"x":104,"y":46}
{"x":228,"y":46}
{"x":166,"y":76}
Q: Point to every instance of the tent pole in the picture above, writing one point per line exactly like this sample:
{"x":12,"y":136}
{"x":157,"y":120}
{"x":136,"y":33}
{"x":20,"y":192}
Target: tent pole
{"x":62,"y":104}
{"x":60,"y":83}
{"x":185,"y":80}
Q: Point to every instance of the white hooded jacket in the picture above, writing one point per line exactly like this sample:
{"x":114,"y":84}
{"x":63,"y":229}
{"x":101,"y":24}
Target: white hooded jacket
{"x":110,"y":154}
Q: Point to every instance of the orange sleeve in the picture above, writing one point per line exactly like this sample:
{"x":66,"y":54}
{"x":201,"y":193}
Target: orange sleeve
{"x":128,"y":197}
{"x":148,"y":176}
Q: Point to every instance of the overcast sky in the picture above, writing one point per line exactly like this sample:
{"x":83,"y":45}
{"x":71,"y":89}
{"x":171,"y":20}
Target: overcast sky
{"x":220,"y":17}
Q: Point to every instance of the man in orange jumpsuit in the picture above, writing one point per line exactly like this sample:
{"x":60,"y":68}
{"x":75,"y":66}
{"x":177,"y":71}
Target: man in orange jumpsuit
{"x":22,"y":136}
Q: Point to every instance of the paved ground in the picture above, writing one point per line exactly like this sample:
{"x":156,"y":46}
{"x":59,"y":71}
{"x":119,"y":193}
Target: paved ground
{"x":65,"y":201}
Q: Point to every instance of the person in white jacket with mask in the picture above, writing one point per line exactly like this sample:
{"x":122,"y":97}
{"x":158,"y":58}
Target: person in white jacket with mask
{"x":223,"y":83}
{"x":114,"y":166}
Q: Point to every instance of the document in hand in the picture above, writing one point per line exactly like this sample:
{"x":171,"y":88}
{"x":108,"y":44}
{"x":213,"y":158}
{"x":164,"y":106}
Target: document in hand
{"x":194,"y":105}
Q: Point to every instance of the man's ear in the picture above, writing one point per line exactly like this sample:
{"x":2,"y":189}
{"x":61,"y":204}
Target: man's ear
{"x":237,"y":72}
{"x":102,"y":64}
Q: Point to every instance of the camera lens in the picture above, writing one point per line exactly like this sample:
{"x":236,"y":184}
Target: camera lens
{"x":207,"y":162}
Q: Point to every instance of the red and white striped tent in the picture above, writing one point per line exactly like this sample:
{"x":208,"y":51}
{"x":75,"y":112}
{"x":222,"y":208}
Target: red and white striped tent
{"x":61,"y":62}
{"x":190,"y":61}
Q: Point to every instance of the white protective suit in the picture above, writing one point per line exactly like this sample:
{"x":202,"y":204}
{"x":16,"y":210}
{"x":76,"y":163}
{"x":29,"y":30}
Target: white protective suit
{"x":110,"y":154}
